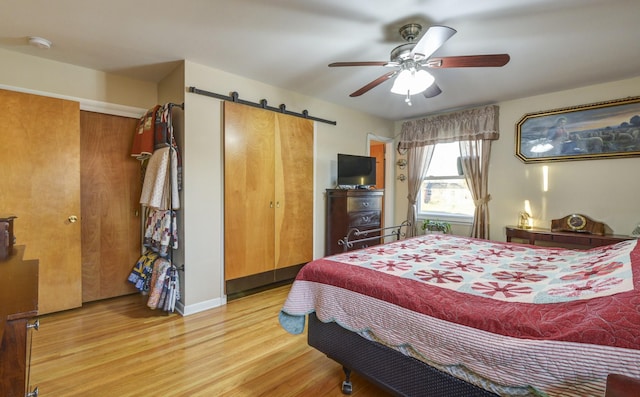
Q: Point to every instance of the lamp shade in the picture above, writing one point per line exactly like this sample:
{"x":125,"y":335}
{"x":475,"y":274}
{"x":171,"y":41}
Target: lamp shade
{"x":412,"y":82}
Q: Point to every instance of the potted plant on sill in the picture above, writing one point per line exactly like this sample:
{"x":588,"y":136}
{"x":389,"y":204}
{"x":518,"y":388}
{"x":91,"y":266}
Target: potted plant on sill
{"x":430,"y":226}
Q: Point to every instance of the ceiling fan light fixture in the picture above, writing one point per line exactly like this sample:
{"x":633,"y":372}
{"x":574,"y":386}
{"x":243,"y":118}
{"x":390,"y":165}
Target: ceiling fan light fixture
{"x":411,"y":82}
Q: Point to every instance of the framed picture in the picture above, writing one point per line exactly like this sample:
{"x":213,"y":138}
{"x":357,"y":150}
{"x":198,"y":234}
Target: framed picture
{"x":598,"y":130}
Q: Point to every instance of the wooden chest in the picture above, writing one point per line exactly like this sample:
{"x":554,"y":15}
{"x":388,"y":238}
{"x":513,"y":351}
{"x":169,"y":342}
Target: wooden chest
{"x":348,"y":209}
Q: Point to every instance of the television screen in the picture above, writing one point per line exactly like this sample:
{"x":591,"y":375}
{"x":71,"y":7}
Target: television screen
{"x":356,"y":170}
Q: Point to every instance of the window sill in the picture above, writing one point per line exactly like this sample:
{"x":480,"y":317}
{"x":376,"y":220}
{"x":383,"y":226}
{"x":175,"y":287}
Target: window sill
{"x":452,"y":219}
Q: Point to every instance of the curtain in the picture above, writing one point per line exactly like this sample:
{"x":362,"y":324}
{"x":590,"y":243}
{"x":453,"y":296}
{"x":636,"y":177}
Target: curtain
{"x":474,"y":129}
{"x":418,"y":160}
{"x":475,"y":165}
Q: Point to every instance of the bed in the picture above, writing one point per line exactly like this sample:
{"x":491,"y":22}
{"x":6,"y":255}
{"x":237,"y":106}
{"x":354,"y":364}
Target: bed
{"x":443,"y":315}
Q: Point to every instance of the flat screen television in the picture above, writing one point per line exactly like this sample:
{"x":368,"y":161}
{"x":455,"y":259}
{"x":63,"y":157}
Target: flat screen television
{"x":356,"y":171}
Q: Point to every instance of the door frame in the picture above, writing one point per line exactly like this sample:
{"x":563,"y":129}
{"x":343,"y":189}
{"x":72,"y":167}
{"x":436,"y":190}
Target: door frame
{"x":389,"y":161}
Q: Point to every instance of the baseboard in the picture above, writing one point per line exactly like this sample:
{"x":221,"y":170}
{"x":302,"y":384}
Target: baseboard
{"x":200,"y":306}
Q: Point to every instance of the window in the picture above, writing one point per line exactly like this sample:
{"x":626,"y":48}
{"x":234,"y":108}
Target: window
{"x":444,"y":193}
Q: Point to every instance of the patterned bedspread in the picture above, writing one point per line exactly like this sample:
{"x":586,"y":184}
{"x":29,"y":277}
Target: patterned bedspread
{"x":553,"y":320}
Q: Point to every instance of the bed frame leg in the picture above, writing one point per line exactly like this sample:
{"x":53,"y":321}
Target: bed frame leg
{"x":346,"y":385}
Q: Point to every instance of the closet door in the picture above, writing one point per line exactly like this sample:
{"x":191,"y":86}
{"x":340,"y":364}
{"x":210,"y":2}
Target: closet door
{"x":111,"y":184}
{"x":40,"y":184}
{"x":249,"y":202}
{"x":294,"y":191}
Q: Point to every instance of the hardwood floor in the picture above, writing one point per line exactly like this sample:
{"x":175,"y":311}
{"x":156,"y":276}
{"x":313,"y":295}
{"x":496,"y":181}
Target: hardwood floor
{"x":119,"y":347}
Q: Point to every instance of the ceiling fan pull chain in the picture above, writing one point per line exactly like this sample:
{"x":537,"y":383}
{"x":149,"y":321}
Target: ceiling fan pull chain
{"x":408,"y":98}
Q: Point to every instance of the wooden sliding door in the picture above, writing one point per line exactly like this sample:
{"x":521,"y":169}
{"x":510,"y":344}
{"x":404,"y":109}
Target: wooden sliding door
{"x":268,"y":163}
{"x":294,"y":191}
{"x":249,"y":180}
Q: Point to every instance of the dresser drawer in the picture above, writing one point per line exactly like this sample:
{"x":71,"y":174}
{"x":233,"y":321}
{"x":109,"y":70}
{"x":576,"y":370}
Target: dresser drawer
{"x":364,"y":218}
{"x":364,"y":203}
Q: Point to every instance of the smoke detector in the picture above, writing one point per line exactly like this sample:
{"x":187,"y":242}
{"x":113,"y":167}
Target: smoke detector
{"x":40,"y":42}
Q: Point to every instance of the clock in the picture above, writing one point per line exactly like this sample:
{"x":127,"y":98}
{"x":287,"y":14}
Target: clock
{"x":577,"y":223}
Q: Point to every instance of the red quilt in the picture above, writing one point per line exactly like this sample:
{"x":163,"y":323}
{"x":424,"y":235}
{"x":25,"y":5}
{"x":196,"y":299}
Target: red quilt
{"x":612,"y":320}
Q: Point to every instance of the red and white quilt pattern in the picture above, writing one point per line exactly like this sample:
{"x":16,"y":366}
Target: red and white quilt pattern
{"x":556,"y":320}
{"x":506,"y":272}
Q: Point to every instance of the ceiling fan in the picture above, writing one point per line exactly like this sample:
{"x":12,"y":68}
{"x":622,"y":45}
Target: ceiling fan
{"x":411,"y":59}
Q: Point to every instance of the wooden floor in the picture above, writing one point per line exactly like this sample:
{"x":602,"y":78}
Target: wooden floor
{"x":119,"y":347}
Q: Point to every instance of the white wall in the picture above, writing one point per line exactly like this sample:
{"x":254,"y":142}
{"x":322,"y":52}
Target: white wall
{"x":606,"y":190}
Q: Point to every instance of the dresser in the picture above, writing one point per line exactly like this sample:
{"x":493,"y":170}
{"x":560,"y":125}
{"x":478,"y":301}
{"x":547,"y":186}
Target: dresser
{"x":351,"y":208}
{"x":563,"y":239}
{"x":19,"y":298}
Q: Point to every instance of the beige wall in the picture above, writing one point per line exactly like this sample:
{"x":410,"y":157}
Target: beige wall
{"x":605,"y":190}
{"x":63,"y":80}
{"x":203,"y":168}
{"x":202,"y":209}
{"x":171,"y":90}
{"x":601,"y":189}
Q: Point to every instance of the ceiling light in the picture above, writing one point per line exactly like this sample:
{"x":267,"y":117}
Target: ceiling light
{"x":410,"y":82}
{"x":40,"y":42}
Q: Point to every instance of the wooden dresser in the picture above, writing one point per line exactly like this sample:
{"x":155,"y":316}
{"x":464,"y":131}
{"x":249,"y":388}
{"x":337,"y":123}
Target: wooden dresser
{"x":563,"y":239}
{"x":18,"y":307}
{"x":352,"y":208}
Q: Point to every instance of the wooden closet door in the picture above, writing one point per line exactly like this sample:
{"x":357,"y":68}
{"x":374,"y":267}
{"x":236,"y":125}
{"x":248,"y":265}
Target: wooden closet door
{"x":111,"y":185}
{"x":294,"y":191}
{"x":40,"y":184}
{"x":249,"y":202}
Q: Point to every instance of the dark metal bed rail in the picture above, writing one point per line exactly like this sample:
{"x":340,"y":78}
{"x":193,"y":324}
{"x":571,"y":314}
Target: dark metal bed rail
{"x":356,"y":235}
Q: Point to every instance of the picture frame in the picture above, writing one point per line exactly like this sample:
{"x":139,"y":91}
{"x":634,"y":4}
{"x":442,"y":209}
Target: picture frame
{"x":599,"y":130}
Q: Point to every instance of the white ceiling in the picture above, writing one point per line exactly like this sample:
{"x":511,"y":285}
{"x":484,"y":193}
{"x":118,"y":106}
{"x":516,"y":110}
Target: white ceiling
{"x":553,"y":44}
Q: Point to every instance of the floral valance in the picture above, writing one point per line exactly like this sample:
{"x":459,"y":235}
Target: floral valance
{"x":463,"y":125}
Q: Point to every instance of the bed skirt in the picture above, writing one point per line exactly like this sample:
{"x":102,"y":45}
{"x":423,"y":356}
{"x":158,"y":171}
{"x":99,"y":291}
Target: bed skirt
{"x":390,"y":369}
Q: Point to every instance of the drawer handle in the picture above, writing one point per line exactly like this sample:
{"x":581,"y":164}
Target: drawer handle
{"x":366,"y":218}
{"x":365,"y":204}
{"x":35,"y":325}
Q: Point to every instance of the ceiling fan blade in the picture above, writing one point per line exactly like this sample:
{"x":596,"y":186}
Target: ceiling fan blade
{"x":374,"y":83}
{"x":433,"y":39}
{"x":366,"y":63}
{"x":432,"y":91}
{"x":469,"y":61}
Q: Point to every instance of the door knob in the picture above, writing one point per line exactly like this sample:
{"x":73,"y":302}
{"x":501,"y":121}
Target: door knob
{"x":72,"y":219}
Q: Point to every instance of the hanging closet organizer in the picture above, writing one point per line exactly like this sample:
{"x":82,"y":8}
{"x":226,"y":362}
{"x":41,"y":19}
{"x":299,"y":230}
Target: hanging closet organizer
{"x":155,"y":146}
